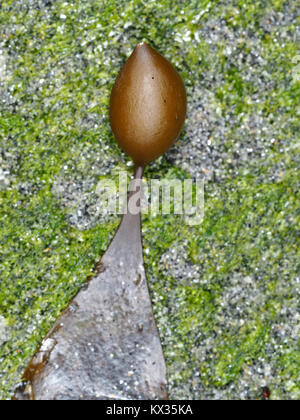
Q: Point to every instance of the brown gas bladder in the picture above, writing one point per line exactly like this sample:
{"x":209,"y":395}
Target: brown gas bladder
{"x":105,"y":344}
{"x":147,"y":105}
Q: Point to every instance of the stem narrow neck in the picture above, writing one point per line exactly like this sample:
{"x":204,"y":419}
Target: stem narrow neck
{"x":136,"y":190}
{"x":139,"y":172}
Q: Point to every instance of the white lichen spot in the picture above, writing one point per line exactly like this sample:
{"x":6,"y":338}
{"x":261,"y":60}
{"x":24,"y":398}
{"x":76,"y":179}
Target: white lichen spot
{"x":2,"y":66}
{"x":4,"y":181}
{"x":4,"y":330}
{"x":183,"y":36}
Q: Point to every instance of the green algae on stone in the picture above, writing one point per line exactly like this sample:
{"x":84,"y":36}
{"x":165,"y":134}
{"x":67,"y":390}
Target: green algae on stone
{"x":229,"y":316}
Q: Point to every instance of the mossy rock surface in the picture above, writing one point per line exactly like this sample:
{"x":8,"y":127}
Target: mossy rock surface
{"x":225,"y":293}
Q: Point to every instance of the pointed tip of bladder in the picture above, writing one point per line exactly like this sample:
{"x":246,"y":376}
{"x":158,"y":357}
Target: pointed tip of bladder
{"x":142,"y":46}
{"x":142,"y":51}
